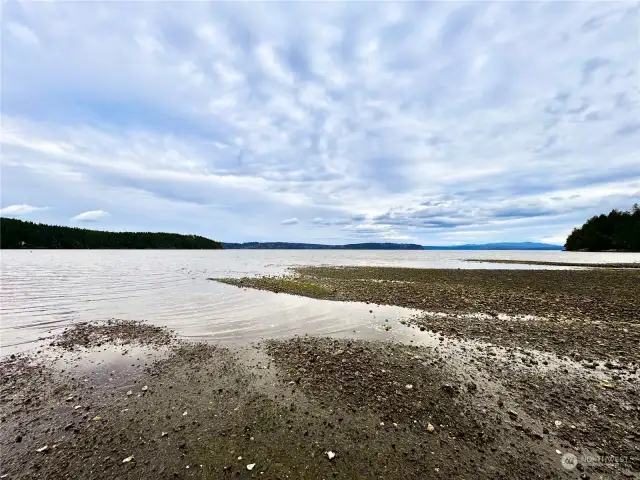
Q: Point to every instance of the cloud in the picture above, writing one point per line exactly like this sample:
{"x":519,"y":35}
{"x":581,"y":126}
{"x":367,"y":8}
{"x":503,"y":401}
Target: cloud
{"x":19,"y":210}
{"x":424,"y":119}
{"x":289,"y":221}
{"x":90,"y":216}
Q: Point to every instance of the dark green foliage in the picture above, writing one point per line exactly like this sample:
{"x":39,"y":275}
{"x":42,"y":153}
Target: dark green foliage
{"x":615,"y":231}
{"x":20,"y":234}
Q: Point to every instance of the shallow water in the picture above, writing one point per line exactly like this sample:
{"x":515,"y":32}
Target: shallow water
{"x":43,"y":291}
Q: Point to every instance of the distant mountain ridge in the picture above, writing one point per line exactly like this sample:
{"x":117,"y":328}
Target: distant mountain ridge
{"x":389,"y":246}
{"x":317,"y":246}
{"x":499,"y":246}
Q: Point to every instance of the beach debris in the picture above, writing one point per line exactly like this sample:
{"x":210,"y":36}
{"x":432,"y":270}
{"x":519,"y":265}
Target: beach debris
{"x":97,"y":418}
{"x":240,"y":458}
{"x":130,"y":392}
{"x":164,"y":434}
{"x":558,"y":452}
{"x":43,"y":449}
{"x":250,"y":466}
{"x":145,"y":388}
{"x":382,"y":424}
{"x":408,"y":386}
{"x":77,"y":407}
{"x":557,"y":423}
{"x":184,"y":414}
{"x":331,"y":455}
{"x":128,"y":459}
{"x":430,"y":428}
{"x":607,"y":385}
{"x":69,"y":398}
{"x":513,"y":414}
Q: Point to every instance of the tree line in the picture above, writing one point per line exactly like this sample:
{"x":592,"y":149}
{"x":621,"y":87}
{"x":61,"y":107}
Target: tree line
{"x":20,"y":234}
{"x":619,"y":230}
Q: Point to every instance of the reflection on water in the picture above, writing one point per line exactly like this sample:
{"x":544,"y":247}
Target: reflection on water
{"x":45,"y":290}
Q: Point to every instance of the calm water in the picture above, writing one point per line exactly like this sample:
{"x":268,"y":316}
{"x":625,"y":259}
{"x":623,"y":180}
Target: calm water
{"x":43,"y":291}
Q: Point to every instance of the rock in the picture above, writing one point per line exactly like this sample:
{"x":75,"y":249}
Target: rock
{"x":408,"y":386}
{"x":430,"y":428}
{"x":250,"y":466}
{"x":472,"y":387}
{"x":331,"y":455}
{"x":513,"y":414}
{"x":145,"y":388}
{"x":19,"y":439}
{"x":557,"y":423}
{"x":43,"y":449}
{"x":128,"y":459}
{"x":129,"y":392}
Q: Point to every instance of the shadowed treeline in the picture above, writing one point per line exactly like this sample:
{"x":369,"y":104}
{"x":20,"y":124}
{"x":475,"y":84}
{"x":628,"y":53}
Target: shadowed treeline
{"x":20,"y":234}
{"x":619,"y":230}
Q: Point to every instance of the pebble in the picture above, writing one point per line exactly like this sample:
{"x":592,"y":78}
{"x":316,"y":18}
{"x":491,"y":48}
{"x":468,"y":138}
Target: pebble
{"x":430,"y":428}
{"x":43,"y":449}
{"x":250,"y":466}
{"x":128,"y":459}
{"x":331,"y":455}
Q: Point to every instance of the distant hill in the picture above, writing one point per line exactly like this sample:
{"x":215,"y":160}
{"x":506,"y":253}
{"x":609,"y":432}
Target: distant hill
{"x":316,"y":246}
{"x":499,"y":246}
{"x":619,"y":230}
{"x":19,"y":234}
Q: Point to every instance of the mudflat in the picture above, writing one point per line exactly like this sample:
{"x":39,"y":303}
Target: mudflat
{"x":496,"y":394}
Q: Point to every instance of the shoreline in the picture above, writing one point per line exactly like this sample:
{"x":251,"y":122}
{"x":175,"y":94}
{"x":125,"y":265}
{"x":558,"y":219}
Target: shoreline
{"x":130,"y":400}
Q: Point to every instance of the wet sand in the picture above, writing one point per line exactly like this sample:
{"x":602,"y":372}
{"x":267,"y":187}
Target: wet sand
{"x":130,"y":400}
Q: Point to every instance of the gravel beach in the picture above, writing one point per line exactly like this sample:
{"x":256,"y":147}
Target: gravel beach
{"x":545,"y":386}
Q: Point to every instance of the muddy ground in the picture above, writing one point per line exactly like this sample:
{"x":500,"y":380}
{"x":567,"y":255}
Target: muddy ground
{"x":130,"y":400}
{"x":589,"y":315}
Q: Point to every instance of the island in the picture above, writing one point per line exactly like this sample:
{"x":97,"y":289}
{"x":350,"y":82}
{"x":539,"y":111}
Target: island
{"x":20,"y":234}
{"x":317,"y":246}
{"x":617,"y":231}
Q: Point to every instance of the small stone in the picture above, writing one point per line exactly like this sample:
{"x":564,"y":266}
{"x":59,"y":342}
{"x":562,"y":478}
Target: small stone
{"x":408,"y":386}
{"x":557,"y":423}
{"x":184,"y":413}
{"x":145,"y":388}
{"x":43,"y":449}
{"x":250,"y":466}
{"x":19,"y":439}
{"x":129,"y":392}
{"x":331,"y":455}
{"x":128,"y":459}
{"x":69,"y":398}
{"x":164,"y":434}
{"x":513,"y":413}
{"x":430,"y":428}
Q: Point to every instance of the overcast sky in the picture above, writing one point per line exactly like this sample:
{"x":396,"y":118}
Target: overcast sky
{"x":435,"y":123}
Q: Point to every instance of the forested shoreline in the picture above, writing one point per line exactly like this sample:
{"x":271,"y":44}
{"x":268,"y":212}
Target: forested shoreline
{"x":619,"y":230}
{"x":20,"y":234}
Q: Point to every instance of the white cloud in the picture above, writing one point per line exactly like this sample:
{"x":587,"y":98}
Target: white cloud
{"x":19,"y":210}
{"x":90,"y":216}
{"x":289,"y":221}
{"x":428,"y":119}
{"x":23,"y":34}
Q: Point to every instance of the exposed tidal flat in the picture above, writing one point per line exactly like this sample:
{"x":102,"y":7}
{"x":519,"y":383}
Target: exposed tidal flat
{"x":405,"y":373}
